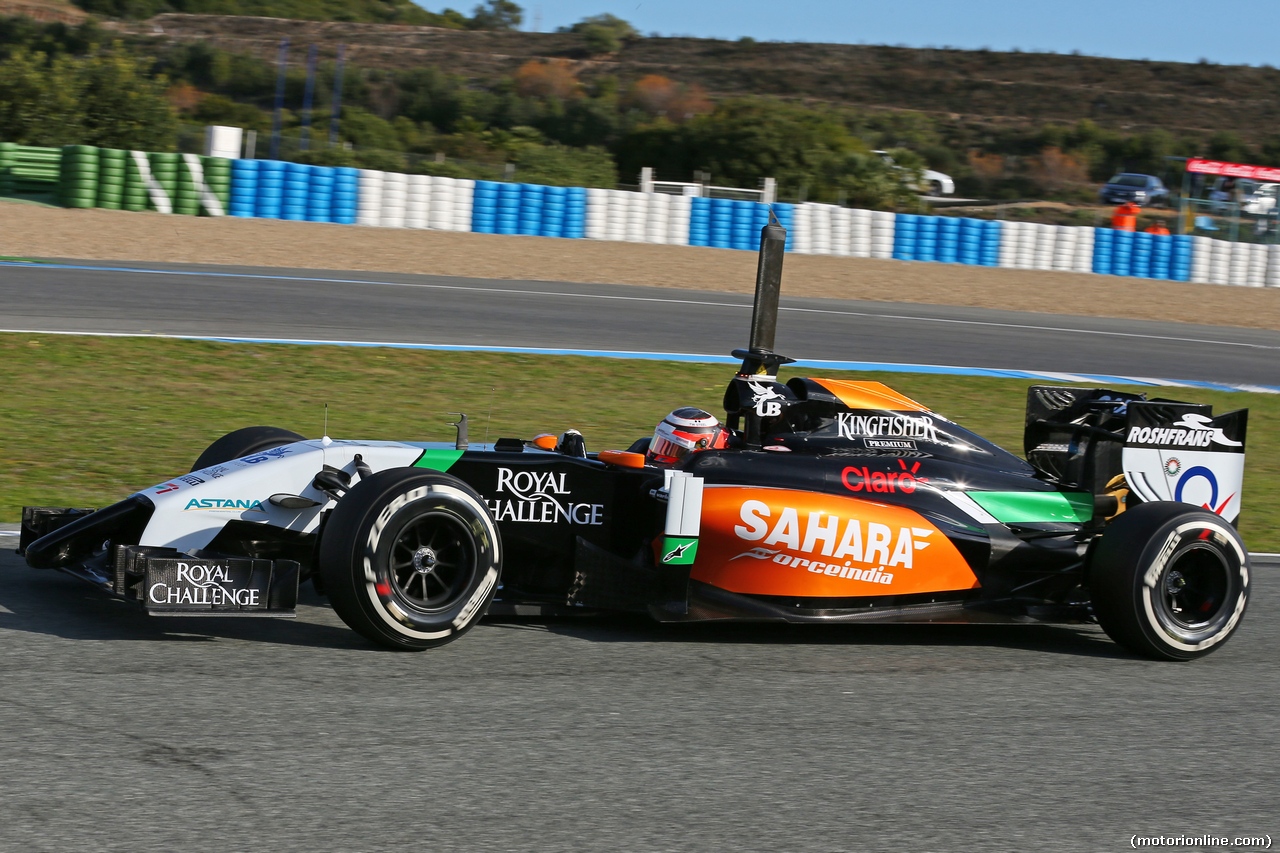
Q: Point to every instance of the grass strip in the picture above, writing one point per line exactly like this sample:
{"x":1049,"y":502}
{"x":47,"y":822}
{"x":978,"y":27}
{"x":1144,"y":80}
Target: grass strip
{"x":86,"y":421}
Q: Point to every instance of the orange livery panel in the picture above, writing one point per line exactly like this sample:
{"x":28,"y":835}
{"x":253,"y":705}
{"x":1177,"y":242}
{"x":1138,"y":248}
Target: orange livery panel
{"x":762,"y":541}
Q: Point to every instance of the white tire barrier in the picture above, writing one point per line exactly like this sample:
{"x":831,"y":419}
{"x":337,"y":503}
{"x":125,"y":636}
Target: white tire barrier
{"x":681,"y":207}
{"x":395,"y":188}
{"x":417,"y":201}
{"x":882,"y":232}
{"x":369,"y":207}
{"x":1083,"y":260}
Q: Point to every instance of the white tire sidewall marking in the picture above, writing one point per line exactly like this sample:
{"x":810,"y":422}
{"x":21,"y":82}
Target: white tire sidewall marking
{"x":1152,"y":576}
{"x":468,"y":612}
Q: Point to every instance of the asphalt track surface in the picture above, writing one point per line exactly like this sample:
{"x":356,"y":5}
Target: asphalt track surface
{"x":125,"y":732}
{"x":393,"y":308}
{"x":120,"y":731}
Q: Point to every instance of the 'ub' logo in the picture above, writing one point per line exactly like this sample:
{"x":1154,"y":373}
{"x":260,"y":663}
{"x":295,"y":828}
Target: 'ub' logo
{"x":768,"y":401}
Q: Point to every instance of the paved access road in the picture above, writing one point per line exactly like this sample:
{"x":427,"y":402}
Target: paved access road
{"x":297,"y":304}
{"x":120,"y":731}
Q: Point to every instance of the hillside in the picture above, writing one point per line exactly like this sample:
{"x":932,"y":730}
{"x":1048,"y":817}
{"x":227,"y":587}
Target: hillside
{"x":973,"y":86}
{"x":48,"y":11}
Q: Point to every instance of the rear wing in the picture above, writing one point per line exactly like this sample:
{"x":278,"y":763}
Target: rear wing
{"x":1181,"y":452}
{"x":1087,"y":438}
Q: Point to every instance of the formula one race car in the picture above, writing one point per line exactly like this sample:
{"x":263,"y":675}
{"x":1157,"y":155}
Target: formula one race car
{"x":819,"y":501}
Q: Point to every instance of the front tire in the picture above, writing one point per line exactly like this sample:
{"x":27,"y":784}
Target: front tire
{"x":244,"y":442}
{"x":410,"y":558}
{"x":1170,"y":582}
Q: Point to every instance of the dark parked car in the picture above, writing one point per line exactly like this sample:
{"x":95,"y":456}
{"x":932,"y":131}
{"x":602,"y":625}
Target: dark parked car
{"x":1142,"y":190}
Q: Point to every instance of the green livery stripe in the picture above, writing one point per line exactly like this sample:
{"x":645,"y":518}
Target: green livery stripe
{"x":679,"y":550}
{"x":1029,"y":507}
{"x":438,"y":460}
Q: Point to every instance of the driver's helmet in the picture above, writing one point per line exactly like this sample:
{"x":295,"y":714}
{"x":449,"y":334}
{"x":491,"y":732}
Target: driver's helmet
{"x":684,"y":432}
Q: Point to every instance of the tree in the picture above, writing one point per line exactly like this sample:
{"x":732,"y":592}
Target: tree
{"x":660,"y":96}
{"x":39,"y":100}
{"x":747,"y":139}
{"x":501,"y":15}
{"x":604,"y":33}
{"x":551,"y":79}
{"x":619,"y":27}
{"x":105,"y":99}
{"x":124,"y":107}
{"x":652,"y":93}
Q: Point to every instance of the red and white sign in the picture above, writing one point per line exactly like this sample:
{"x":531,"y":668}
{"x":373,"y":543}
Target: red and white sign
{"x":1233,"y":170}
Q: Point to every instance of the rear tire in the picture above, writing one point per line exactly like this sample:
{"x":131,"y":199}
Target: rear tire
{"x":1170,"y":582}
{"x":410,"y":558}
{"x":244,"y":442}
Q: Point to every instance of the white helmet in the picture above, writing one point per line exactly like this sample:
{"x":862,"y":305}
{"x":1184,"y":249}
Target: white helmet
{"x":683,"y":432}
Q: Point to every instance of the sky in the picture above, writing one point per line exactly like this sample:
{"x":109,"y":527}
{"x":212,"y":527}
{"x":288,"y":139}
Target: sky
{"x":1241,"y":32}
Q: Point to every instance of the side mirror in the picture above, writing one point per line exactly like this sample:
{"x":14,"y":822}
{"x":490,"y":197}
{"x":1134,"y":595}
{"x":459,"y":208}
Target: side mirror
{"x":332,"y":481}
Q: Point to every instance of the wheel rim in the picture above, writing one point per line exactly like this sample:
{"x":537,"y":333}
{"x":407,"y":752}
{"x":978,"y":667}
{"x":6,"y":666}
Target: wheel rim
{"x":1192,"y":594}
{"x":432,"y":561}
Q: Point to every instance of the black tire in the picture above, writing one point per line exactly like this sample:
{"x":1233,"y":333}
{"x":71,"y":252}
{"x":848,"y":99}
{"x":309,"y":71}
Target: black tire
{"x":935,"y":188}
{"x":1170,"y":582}
{"x":410,"y":558}
{"x":243,"y":442}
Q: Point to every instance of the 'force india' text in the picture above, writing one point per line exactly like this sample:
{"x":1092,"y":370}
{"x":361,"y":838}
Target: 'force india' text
{"x":833,"y":538}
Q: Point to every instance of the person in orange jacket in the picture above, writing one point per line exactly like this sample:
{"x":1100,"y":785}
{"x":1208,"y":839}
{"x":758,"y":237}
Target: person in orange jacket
{"x":1126,"y":217}
{"x":1157,"y":227}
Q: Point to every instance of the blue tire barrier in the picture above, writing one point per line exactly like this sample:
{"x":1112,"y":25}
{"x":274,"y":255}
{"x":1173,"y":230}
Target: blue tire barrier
{"x":759,"y":219}
{"x":1182,"y":247}
{"x":989,"y":252}
{"x":1161,"y":256}
{"x":1103,"y":244}
{"x":700,"y":222}
{"x":926,"y":238}
{"x":1140,"y":263}
{"x":297,"y":188}
{"x":1122,"y":253}
{"x":904,"y":236}
{"x":532,"y":206}
{"x":721,"y":223}
{"x":949,"y":244}
{"x":555,"y":202}
{"x":346,"y":195}
{"x":970,"y":249}
{"x":507,"y":220}
{"x":244,"y":188}
{"x":320,"y":195}
{"x":575,"y":212}
{"x":741,"y":229}
{"x":484,"y":208}
{"x":268,"y":203}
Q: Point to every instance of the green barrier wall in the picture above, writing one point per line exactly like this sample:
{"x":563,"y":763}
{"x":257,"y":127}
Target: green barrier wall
{"x":6,"y":167}
{"x":217,"y":176}
{"x":83,"y":176}
{"x":164,"y":169}
{"x":78,"y":176}
{"x":111,"y":177}
{"x":32,"y":170}
{"x":135,"y":189}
